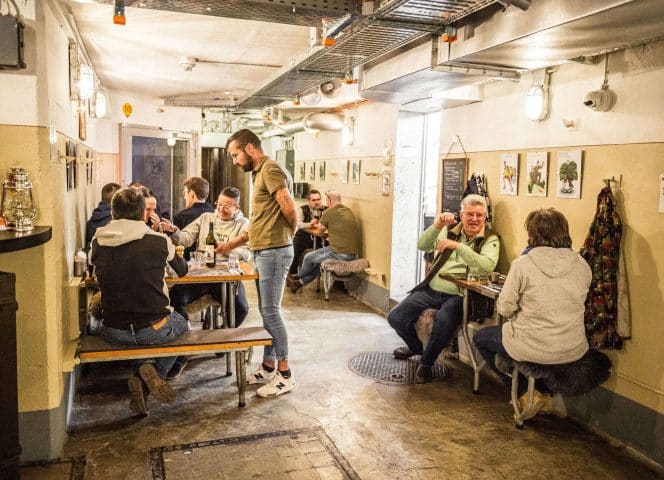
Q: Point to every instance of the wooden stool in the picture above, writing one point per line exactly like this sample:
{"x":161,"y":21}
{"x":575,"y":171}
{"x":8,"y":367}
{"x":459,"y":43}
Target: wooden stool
{"x":340,"y":270}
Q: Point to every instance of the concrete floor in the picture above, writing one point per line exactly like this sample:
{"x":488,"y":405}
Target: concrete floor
{"x":433,"y":431}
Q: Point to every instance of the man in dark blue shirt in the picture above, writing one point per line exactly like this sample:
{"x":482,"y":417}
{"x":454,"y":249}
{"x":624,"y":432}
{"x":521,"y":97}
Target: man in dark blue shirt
{"x":196,"y":191}
{"x":102,"y":214}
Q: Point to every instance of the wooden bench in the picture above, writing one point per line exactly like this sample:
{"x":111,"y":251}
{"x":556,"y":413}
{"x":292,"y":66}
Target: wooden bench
{"x":239,"y":340}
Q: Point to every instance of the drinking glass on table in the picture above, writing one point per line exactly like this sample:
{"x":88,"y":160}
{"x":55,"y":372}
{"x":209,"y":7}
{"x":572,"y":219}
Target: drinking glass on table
{"x":233,"y":261}
{"x":473,"y":273}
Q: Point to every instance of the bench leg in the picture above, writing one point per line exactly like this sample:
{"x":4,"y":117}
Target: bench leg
{"x":241,"y":374}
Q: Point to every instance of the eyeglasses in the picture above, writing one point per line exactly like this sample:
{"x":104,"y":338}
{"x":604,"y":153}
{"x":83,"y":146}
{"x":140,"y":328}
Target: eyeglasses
{"x":222,"y":206}
{"x":235,"y":155}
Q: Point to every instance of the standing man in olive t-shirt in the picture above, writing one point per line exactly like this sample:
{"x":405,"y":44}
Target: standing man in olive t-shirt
{"x":343,"y":231}
{"x":273,"y":224}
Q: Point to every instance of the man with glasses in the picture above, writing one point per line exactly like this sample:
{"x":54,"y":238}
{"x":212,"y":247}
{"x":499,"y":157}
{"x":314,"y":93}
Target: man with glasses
{"x":343,"y":231}
{"x":273,"y":224}
{"x":456,"y":247}
{"x":307,"y":216}
{"x":230,"y":229}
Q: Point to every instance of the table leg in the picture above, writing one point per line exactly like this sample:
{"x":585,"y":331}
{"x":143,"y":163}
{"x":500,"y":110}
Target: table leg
{"x":469,"y":346}
{"x":241,"y":373}
{"x":224,"y":303}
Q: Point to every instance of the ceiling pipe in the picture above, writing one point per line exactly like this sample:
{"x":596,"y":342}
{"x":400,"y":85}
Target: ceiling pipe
{"x":522,"y":4}
{"x":312,"y":122}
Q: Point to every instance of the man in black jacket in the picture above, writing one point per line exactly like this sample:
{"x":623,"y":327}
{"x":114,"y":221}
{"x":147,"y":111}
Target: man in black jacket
{"x":130,"y":263}
{"x":196,"y":191}
{"x":102,"y":214}
{"x":307,"y":217}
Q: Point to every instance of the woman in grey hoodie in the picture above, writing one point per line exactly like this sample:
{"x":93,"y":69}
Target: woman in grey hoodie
{"x":543,"y":299}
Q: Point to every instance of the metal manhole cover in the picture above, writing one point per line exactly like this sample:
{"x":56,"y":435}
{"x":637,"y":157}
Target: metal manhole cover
{"x":382,"y":366}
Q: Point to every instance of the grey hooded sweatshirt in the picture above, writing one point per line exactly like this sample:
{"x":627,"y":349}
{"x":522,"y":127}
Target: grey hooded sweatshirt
{"x":543,"y":298}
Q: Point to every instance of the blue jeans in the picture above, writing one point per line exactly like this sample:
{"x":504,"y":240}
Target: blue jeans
{"x":310,"y":270}
{"x":403,"y":317}
{"x":175,"y":326}
{"x":489,"y":342}
{"x":183,"y":295}
{"x":272,"y":265}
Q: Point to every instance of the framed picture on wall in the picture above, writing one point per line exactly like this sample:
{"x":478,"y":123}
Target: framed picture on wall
{"x":300,"y":172}
{"x":355,"y":171}
{"x":509,"y":174}
{"x":569,"y":174}
{"x":343,"y":174}
{"x":537,"y":168}
{"x":312,"y":171}
{"x":321,"y":171}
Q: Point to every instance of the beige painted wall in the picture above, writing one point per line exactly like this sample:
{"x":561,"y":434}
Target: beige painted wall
{"x":41,"y":272}
{"x":375,"y":126}
{"x":638,"y":368}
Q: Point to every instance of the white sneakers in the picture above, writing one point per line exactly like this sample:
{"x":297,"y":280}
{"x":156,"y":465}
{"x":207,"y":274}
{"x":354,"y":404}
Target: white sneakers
{"x":543,"y":403}
{"x":274,"y":383}
{"x":277,"y":386}
{"x":260,"y":375}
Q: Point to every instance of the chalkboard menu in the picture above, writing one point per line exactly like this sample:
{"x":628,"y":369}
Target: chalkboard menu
{"x":454,"y":183}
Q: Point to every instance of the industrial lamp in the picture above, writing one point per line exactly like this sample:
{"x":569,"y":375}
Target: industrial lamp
{"x":348,"y":131}
{"x":537,"y":103}
{"x":172,"y":140}
{"x":86,"y":82}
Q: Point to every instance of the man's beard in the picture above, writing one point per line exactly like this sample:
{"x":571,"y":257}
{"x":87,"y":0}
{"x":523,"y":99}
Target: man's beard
{"x":249,"y":166}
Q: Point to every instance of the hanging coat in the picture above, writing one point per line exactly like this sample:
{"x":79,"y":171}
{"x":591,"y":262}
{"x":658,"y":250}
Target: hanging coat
{"x":601,"y":250}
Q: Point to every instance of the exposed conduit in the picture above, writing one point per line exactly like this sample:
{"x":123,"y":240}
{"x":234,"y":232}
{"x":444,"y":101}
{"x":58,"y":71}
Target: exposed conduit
{"x":312,"y":122}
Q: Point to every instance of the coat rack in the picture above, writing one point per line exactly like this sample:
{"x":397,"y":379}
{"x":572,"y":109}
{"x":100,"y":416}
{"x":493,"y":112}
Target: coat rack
{"x":609,"y":181}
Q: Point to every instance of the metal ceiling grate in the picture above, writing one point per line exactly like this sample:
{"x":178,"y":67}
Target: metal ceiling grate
{"x":433,"y":11}
{"x":308,"y":13}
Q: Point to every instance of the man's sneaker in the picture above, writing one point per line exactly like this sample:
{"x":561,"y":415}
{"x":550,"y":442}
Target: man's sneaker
{"x":260,"y":375}
{"x":294,"y":284}
{"x":158,"y":387}
{"x":277,"y":386}
{"x":177,"y":368}
{"x":139,"y":394}
{"x":403,"y":353}
{"x":424,"y":374}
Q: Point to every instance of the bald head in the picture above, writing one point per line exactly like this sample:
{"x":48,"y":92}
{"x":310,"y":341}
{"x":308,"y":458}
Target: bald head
{"x":333,"y":198}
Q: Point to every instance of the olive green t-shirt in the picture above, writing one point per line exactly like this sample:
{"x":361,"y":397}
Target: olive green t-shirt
{"x":269,"y":228}
{"x":342,"y":229}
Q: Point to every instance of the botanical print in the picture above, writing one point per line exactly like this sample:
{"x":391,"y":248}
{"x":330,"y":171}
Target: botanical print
{"x":569,"y":174}
{"x":312,"y":171}
{"x":509,"y":173}
{"x":344,"y":171}
{"x":300,"y":172}
{"x":355,"y":174}
{"x":537,"y":167}
{"x":321,"y":171}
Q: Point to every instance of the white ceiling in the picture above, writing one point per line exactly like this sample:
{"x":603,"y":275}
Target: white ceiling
{"x":143,"y":56}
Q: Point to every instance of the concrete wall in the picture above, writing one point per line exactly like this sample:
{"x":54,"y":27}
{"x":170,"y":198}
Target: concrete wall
{"x":626,"y":141}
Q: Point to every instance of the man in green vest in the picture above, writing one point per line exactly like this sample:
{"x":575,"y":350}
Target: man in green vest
{"x":456,"y":246}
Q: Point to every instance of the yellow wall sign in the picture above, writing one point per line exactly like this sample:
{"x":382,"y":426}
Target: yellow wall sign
{"x":127,"y":109}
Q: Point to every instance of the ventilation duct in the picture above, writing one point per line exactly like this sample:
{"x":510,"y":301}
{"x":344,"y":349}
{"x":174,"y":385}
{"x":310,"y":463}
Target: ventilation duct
{"x":312,"y":122}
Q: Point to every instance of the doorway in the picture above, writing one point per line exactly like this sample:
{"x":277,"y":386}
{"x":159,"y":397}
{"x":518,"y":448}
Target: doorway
{"x":148,"y":159}
{"x":415,"y":196}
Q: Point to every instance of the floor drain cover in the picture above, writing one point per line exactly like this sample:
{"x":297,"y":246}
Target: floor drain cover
{"x":383,"y":367}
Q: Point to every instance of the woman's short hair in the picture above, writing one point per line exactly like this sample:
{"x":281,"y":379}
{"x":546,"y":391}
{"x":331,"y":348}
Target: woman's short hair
{"x":547,"y":227}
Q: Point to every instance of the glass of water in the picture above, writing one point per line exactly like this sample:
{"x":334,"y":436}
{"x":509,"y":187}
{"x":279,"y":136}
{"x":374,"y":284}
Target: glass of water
{"x":473,"y":273}
{"x":233,"y":261}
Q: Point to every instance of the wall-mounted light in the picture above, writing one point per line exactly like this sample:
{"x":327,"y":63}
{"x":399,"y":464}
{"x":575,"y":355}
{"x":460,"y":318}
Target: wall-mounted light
{"x":537,"y":103}
{"x":348,"y":131}
{"x":99,"y":105}
{"x":86,"y":81}
{"x":172,"y":140}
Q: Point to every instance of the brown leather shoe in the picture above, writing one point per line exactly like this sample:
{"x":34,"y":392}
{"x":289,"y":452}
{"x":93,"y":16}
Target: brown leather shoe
{"x":139,"y":395}
{"x":403,"y":353}
{"x":158,"y":387}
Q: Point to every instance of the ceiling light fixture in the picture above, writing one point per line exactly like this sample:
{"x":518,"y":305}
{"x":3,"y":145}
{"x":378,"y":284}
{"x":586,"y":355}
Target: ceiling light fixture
{"x":172,"y":140}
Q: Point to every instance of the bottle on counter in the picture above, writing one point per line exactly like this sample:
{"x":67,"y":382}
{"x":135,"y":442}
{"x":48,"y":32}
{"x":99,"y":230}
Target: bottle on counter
{"x":210,"y":246}
{"x":80,"y":259}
